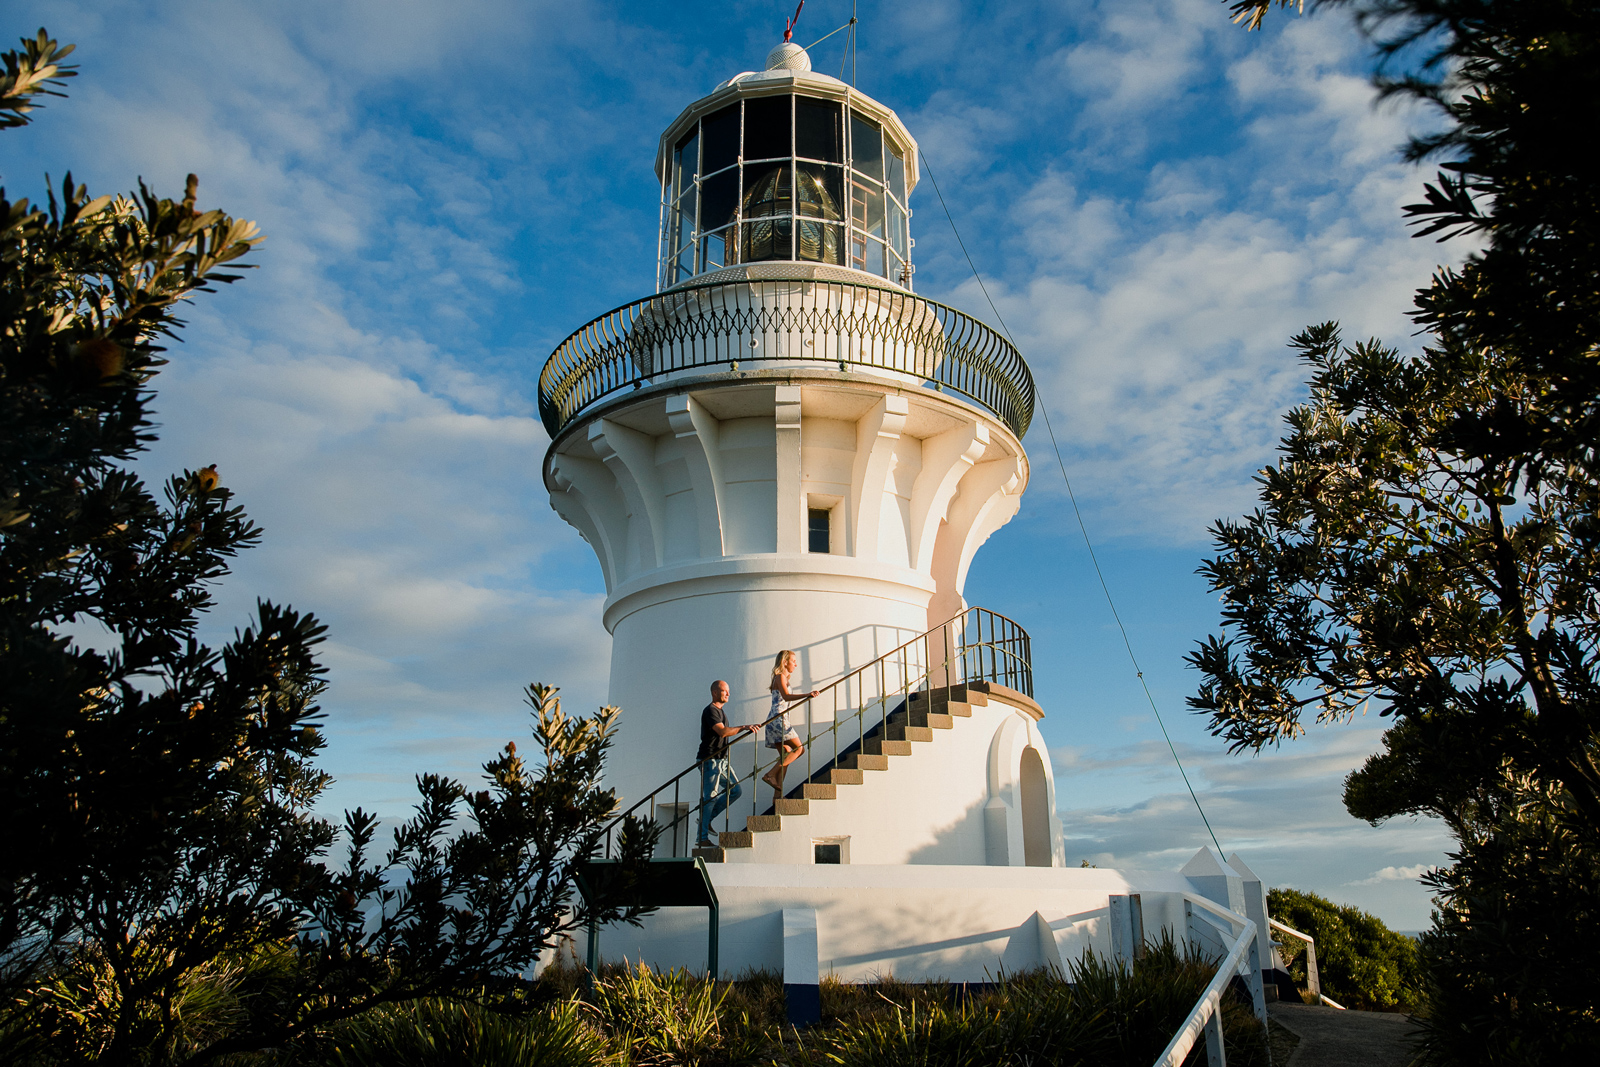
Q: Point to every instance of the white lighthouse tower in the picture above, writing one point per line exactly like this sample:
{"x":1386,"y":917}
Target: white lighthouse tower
{"x":785,"y":447}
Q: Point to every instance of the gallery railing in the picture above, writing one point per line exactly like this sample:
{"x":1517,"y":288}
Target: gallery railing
{"x":858,"y":715}
{"x":760,"y":321}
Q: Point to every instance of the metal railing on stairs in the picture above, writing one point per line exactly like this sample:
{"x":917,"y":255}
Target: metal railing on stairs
{"x":856,"y":716}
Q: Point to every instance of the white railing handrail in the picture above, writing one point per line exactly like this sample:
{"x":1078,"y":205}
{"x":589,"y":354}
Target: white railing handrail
{"x":1212,"y":999}
{"x":1313,"y":978}
{"x":1233,"y":918}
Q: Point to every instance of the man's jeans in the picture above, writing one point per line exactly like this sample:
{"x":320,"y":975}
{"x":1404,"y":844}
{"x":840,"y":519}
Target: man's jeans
{"x":718,"y":789}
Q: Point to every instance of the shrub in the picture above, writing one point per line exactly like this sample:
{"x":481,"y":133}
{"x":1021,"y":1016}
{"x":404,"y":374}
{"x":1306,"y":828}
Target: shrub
{"x":1361,"y":962}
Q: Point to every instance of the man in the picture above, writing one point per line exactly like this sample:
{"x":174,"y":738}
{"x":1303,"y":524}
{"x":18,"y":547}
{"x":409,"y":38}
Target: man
{"x":718,"y":787}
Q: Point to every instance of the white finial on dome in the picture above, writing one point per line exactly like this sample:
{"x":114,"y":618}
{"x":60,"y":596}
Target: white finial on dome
{"x":788,"y":56}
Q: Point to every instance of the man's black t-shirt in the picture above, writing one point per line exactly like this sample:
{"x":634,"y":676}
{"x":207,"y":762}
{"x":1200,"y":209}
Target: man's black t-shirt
{"x":712,"y":744}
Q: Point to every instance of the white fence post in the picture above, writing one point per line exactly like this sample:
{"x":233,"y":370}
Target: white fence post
{"x":1122,"y":933}
{"x":1258,"y":991}
{"x":1216,"y":1053}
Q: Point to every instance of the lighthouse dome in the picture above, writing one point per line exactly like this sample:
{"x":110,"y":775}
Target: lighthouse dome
{"x":788,"y":56}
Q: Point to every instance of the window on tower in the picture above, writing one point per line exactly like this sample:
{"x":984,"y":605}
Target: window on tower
{"x":817,"y":531}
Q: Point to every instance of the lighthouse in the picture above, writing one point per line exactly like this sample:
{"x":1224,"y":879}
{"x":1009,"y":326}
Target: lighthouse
{"x":787,"y":447}
{"x":784,"y":447}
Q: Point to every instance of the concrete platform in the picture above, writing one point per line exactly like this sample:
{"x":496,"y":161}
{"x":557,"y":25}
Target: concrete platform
{"x":917,"y":922}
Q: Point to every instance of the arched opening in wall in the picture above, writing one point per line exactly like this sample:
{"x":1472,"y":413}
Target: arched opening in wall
{"x":1035,"y":810}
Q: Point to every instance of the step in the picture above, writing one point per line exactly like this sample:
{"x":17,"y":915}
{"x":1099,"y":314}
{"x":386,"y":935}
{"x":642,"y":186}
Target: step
{"x":785,"y":806}
{"x":932,"y":719}
{"x":818,"y":791}
{"x":736,"y":839}
{"x":846,"y":776}
{"x":910,"y":733}
{"x":858,"y":761}
{"x":873,"y":747}
{"x":763,"y":824}
{"x":956,"y":694}
{"x":710,"y":853}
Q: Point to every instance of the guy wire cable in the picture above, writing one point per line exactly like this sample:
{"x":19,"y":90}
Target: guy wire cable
{"x":1082,"y":527}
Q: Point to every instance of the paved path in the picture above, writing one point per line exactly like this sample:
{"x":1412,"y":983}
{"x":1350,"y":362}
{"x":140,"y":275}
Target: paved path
{"x":1333,"y":1038}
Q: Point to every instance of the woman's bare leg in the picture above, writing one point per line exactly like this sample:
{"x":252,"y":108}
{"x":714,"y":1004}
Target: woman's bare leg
{"x":792,"y":750}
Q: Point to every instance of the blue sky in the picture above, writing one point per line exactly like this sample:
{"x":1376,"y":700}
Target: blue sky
{"x":1156,"y":200}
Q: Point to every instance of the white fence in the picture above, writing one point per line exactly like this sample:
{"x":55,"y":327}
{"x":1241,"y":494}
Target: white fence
{"x":1228,"y":936}
{"x":1313,"y":982}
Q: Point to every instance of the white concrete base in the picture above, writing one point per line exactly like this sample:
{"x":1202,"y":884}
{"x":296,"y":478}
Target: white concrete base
{"x":916,"y":922}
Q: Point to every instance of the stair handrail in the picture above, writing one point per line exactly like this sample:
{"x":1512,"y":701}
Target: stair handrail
{"x":798,"y":703}
{"x":953,"y":655}
{"x":1023,"y":673}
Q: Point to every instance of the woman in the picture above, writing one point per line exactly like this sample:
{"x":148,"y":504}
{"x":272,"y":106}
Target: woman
{"x":780,"y":735}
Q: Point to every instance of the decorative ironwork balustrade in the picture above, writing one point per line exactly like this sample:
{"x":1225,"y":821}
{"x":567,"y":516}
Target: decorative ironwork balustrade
{"x":776,"y":321}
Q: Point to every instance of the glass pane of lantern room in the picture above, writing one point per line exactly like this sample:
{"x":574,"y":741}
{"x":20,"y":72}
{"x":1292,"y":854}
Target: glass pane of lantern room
{"x":766,"y":239}
{"x":767,"y":191}
{"x":866,"y":208}
{"x":686,"y":164}
{"x":819,"y":191}
{"x":866,"y":254}
{"x":866,"y":147}
{"x":766,"y":128}
{"x":713,"y":250}
{"x":719,"y":195}
{"x":819,"y":242}
{"x":720,"y":132}
{"x":816,"y":130}
{"x":683,"y":240}
{"x":897,"y":172}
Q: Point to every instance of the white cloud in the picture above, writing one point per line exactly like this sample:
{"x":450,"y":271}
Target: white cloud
{"x":1156,"y":317}
{"x":1396,"y":874}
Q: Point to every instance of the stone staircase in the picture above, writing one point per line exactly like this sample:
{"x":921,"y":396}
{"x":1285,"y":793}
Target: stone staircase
{"x":909,"y":725}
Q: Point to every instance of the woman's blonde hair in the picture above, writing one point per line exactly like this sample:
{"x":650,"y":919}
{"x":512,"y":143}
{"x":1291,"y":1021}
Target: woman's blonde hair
{"x":783,"y":657}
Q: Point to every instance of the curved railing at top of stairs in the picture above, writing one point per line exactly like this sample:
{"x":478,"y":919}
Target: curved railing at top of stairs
{"x":977,"y":646}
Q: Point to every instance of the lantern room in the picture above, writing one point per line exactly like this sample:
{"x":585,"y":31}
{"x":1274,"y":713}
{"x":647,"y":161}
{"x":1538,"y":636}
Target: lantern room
{"x":786,"y":165}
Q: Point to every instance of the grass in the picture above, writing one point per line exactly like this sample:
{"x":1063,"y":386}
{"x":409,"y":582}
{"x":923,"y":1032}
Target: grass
{"x":1100,"y":1013}
{"x":1105,"y":1014}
